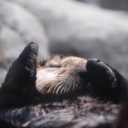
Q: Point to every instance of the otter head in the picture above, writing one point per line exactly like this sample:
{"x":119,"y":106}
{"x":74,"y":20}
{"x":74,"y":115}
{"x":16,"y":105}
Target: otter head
{"x":26,"y":81}
{"x":60,"y":75}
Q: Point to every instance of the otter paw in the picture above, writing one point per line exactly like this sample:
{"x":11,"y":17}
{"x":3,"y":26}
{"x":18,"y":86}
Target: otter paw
{"x":100,"y":75}
{"x":28,"y":58}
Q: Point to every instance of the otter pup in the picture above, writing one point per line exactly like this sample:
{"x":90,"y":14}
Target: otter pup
{"x":32,"y":92}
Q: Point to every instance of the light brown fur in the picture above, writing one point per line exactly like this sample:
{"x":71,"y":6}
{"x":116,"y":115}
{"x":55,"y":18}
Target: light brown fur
{"x":61,"y":75}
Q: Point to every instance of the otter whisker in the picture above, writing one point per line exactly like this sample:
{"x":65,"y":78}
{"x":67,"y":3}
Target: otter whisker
{"x":60,"y":86}
{"x":50,"y":89}
{"x":63,"y":88}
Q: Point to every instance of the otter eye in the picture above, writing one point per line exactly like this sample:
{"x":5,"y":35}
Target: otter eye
{"x":55,"y":66}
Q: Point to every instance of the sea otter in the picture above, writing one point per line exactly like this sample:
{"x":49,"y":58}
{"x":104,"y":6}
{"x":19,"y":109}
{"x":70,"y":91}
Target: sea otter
{"x":60,"y":90}
{"x":64,"y":75}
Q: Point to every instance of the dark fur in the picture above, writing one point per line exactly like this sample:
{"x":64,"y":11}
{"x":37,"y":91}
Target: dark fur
{"x":21,"y":105}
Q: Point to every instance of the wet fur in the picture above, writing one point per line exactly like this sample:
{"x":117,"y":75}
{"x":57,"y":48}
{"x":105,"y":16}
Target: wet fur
{"x":27,"y":101}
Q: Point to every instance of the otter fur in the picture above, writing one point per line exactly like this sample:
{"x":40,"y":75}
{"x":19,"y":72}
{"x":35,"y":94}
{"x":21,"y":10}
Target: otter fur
{"x":62,"y":75}
{"x":63,"y":91}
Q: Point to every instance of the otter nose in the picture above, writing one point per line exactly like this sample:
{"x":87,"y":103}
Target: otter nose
{"x":83,"y":74}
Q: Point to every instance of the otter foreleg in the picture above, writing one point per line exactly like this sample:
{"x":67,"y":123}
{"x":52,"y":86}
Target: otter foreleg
{"x":107,"y":82}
